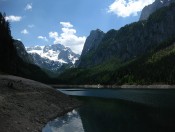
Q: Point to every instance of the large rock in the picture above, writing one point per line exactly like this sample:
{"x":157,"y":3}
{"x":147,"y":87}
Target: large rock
{"x":26,"y":105}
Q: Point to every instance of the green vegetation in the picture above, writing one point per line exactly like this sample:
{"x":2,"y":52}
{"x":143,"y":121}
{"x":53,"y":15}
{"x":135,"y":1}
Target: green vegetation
{"x":144,"y":53}
{"x":10,"y":62}
{"x":154,"y":68}
{"x":6,"y":45}
{"x":139,"y":53}
{"x":94,"y":75}
{"x":133,"y":40}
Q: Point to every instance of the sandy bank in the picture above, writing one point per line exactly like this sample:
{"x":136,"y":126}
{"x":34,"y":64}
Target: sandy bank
{"x":26,"y":105}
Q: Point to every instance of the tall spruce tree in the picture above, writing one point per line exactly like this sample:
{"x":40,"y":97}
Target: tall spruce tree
{"x":7,"y":50}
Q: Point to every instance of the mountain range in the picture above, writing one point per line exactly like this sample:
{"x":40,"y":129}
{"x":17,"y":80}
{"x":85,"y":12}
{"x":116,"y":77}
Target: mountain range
{"x":130,"y":41}
{"x":139,"y":53}
{"x":11,"y":62}
{"x":52,"y":57}
{"x":142,"y":52}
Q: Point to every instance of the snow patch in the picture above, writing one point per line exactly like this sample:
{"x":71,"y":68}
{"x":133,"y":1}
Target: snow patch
{"x":49,"y":52}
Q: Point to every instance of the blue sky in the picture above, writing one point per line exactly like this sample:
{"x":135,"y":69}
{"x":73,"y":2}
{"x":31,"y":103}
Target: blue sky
{"x":69,"y":22}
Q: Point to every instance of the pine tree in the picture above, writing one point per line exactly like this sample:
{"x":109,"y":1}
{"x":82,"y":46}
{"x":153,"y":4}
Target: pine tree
{"x":6,"y":43}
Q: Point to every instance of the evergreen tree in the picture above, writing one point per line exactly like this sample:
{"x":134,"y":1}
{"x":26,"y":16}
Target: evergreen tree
{"x":7,"y":50}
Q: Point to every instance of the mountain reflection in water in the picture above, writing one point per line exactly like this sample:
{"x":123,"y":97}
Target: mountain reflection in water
{"x":115,"y":115}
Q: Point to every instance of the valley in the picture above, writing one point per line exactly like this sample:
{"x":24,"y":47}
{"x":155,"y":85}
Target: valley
{"x":117,"y":71}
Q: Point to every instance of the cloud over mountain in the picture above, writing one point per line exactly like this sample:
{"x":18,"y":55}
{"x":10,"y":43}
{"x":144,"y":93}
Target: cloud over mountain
{"x":68,"y":37}
{"x":43,"y":38}
{"x":124,"y":8}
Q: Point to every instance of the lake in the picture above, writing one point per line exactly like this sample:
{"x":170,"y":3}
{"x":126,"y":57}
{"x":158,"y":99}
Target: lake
{"x":118,"y":110}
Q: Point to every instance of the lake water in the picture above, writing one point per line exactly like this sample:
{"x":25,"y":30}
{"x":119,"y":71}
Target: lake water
{"x":118,"y":110}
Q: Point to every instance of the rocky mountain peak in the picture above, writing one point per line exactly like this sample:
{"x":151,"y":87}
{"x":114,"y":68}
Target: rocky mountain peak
{"x":52,"y":57}
{"x":148,"y":10}
{"x":54,"y":47}
{"x":93,"y":40}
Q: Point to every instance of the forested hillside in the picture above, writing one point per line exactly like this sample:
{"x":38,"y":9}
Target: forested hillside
{"x":133,"y":40}
{"x":152,"y":61}
{"x":10,"y":62}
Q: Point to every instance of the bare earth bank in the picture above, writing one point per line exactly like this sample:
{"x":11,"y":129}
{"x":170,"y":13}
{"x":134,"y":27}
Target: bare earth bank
{"x":26,"y":105}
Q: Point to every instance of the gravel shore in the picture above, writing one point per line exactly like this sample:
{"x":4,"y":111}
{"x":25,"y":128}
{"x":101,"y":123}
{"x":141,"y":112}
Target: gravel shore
{"x":153,"y":86}
{"x":26,"y":105}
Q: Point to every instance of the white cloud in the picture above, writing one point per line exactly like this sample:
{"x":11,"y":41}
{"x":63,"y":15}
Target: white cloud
{"x":53,"y":35}
{"x":43,"y":38}
{"x":66,"y":24}
{"x":68,"y":37}
{"x":28,"y":7}
{"x":24,"y":31}
{"x":13,"y":18}
{"x":123,"y":8}
{"x":31,"y":26}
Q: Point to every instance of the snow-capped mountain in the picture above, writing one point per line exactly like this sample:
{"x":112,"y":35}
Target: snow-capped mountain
{"x":52,"y":57}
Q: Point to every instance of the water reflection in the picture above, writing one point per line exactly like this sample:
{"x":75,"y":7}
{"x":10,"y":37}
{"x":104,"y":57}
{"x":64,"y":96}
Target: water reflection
{"x":71,"y":122}
{"x":102,"y":115}
{"x":117,"y":115}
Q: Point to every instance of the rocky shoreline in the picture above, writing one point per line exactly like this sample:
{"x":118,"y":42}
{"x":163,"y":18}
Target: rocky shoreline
{"x":26,"y":105}
{"x":154,"y":86}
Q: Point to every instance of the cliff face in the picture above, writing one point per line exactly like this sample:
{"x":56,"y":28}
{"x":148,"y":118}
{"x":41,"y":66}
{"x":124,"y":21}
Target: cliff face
{"x":93,"y":41}
{"x":153,"y":7}
{"x":22,"y":53}
{"x":133,"y":40}
{"x":91,"y":44}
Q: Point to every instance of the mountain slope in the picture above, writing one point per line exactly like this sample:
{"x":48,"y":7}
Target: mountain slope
{"x":153,"y":67}
{"x":91,"y":44}
{"x":134,"y":40}
{"x":148,"y":10}
{"x":156,"y":68}
{"x":22,"y":53}
{"x":52,"y":57}
{"x":11,"y":63}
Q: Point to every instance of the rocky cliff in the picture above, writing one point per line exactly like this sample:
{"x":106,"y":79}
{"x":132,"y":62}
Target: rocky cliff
{"x":22,"y":53}
{"x":133,"y":40}
{"x":91,"y":44}
{"x":148,"y":10}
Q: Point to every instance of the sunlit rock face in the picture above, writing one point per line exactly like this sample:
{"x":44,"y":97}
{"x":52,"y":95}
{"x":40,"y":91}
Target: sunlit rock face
{"x":148,"y":10}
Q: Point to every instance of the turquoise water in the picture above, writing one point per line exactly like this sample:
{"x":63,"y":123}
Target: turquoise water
{"x":118,"y":110}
